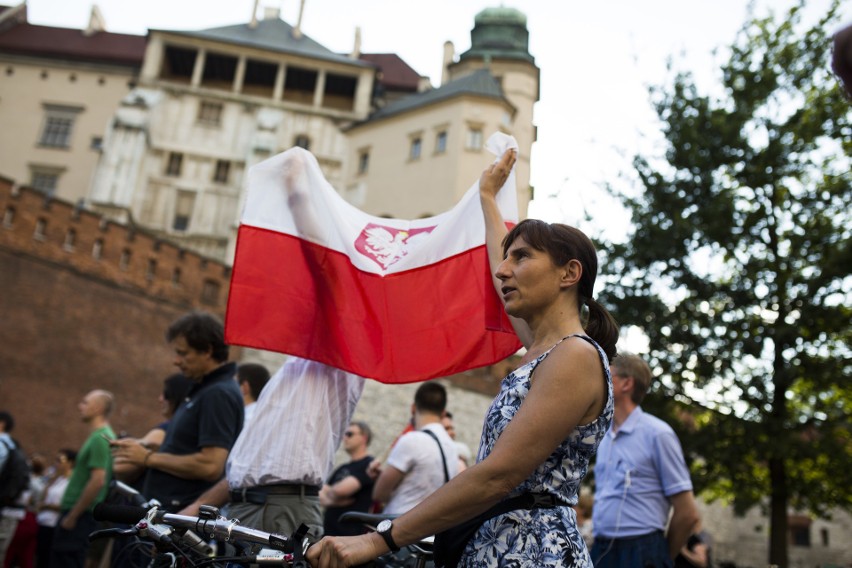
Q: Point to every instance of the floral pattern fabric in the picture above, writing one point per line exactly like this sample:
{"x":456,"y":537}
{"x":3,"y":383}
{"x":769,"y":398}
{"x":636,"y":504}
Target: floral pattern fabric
{"x":539,"y":537}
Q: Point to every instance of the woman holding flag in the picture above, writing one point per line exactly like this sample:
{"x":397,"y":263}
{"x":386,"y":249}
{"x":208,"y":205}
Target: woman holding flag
{"x":515,"y":505}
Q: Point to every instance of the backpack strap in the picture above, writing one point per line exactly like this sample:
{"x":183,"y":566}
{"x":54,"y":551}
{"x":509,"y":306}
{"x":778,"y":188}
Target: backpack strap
{"x":441,"y":449}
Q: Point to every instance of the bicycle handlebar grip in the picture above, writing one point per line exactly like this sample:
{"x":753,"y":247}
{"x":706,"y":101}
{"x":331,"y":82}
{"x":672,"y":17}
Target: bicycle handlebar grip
{"x":125,"y":514}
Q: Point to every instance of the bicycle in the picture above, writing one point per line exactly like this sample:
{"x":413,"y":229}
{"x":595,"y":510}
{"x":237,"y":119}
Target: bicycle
{"x":177,"y":544}
{"x":420,"y":552}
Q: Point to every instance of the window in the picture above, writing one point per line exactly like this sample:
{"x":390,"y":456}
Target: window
{"x":441,"y":142}
{"x":151,"y":272}
{"x":302,"y":141}
{"x":223,"y":169}
{"x":58,"y":124}
{"x":40,"y":228}
{"x":800,"y":530}
{"x":474,"y":139}
{"x":98,"y":249}
{"x":44,"y":180}
{"x":414,"y":152}
{"x":824,"y":536}
{"x":70,"y":240}
{"x":363,"y":162}
{"x":184,"y":205}
{"x":124,"y":261}
{"x":175,"y":163}
{"x":9,"y":217}
{"x":176,"y":277}
{"x":97,"y":143}
{"x":210,"y":114}
{"x":210,"y":292}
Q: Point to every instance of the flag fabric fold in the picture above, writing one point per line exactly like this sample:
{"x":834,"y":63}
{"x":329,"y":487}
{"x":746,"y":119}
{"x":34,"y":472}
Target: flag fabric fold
{"x":391,"y":299}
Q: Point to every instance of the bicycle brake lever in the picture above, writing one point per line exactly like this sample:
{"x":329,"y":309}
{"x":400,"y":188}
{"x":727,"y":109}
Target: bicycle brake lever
{"x":112,"y":532}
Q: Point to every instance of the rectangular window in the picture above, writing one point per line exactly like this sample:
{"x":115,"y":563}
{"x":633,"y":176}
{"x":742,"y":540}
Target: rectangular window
{"x":416,"y":145}
{"x":223,"y":170}
{"x":70,"y":240}
{"x":210,"y":292}
{"x":9,"y":217}
{"x":441,"y":142}
{"x":40,"y":229}
{"x":151,"y":272}
{"x":44,"y":181}
{"x":210,"y":114}
{"x":474,"y":139}
{"x":175,"y":163}
{"x":363,"y":162}
{"x":124,"y":259}
{"x":184,"y":204}
{"x":58,"y":125}
{"x":98,"y":249}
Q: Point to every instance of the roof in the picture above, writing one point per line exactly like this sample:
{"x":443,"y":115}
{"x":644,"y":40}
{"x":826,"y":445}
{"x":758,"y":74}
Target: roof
{"x":66,"y":43}
{"x":480,"y":83}
{"x":272,"y":35}
{"x":396,"y":74}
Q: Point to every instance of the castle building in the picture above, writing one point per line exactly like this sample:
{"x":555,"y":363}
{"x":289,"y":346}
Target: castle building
{"x":200,"y":107}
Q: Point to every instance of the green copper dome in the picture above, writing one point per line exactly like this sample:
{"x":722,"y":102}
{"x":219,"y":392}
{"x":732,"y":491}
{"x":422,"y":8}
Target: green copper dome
{"x":499,"y":33}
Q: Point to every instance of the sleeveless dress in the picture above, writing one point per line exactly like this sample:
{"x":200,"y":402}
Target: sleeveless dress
{"x":539,"y":537}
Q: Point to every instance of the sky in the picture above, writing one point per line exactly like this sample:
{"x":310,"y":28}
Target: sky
{"x":597,"y":60}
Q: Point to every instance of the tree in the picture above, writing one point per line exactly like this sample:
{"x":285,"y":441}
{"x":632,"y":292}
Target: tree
{"x":738,"y":271}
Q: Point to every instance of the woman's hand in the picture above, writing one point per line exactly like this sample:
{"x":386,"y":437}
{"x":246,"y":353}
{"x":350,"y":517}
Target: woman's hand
{"x":495,"y":175}
{"x":336,"y":552}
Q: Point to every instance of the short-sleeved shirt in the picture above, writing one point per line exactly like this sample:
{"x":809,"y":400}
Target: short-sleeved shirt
{"x":417,"y":456}
{"x":95,"y":454}
{"x":638,"y":468}
{"x":363,"y":498}
{"x":211,"y":416}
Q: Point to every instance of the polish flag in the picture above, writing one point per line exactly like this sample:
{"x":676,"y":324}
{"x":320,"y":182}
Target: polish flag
{"x":395,"y":300}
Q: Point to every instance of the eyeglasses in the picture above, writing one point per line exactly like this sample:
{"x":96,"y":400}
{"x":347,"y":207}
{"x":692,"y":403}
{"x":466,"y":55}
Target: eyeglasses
{"x":349,"y":433}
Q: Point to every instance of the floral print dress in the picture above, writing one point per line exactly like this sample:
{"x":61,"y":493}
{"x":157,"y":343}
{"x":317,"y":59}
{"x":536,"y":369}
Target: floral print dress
{"x":539,"y":537}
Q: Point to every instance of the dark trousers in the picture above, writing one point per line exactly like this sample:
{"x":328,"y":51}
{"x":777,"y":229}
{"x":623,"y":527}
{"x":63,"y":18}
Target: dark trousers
{"x":44,"y":542}
{"x":70,"y":547}
{"x":645,"y":551}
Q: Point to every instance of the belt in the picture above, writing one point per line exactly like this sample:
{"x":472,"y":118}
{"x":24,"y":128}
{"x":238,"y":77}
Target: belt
{"x":258,"y":495}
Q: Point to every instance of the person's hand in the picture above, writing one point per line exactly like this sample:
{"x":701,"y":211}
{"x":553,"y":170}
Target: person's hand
{"x":336,"y":552}
{"x":374,"y":469}
{"x":495,"y":175}
{"x":68,"y":522}
{"x":129,"y":451}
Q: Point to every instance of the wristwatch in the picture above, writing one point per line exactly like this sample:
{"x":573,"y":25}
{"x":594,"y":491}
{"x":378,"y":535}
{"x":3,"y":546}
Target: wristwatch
{"x":384,"y":529}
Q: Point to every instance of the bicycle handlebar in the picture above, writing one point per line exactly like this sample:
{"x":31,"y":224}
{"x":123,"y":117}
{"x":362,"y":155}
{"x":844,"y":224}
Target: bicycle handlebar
{"x":212,"y":525}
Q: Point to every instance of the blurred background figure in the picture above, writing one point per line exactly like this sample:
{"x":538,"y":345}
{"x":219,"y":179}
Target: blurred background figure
{"x":461,"y":447}
{"x":841,"y":61}
{"x":22,"y":547}
{"x":47,"y":508}
{"x":252,"y":378}
{"x":175,"y":389}
{"x":350,"y":487}
{"x":583,"y":508}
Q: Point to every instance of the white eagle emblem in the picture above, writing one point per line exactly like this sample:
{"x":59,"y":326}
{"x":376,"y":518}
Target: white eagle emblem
{"x":386,"y":245}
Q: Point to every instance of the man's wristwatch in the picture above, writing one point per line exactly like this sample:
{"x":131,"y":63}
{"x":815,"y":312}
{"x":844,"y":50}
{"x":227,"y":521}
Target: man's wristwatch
{"x":384,"y":529}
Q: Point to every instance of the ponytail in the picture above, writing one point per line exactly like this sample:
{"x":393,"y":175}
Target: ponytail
{"x":602,"y":327}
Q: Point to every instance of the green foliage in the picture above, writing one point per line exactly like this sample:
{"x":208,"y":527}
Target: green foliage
{"x":738,"y":269}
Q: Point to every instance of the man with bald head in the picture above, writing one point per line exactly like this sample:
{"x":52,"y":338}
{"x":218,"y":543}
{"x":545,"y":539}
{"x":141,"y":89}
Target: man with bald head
{"x":88,"y":484}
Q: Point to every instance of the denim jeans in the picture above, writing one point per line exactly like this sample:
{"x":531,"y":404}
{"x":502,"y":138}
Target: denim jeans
{"x":645,"y":551}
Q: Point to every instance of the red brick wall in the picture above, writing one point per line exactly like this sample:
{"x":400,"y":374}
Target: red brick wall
{"x":70,"y":323}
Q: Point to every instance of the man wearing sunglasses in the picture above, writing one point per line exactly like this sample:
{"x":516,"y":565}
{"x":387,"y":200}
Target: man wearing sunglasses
{"x":350,"y":487}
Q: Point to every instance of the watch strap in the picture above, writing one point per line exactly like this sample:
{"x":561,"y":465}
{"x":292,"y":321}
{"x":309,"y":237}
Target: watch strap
{"x":386,"y":534}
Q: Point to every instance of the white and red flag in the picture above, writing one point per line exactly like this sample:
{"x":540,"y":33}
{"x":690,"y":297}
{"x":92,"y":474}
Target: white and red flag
{"x":395,"y":300}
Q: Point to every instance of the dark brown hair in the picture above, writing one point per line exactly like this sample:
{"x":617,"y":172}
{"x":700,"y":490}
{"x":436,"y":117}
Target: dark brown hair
{"x":564,"y":244}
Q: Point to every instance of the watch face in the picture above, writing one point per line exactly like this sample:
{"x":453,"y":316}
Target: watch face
{"x":384,"y":526}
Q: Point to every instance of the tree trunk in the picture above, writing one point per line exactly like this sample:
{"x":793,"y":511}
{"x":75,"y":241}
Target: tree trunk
{"x":778,"y":513}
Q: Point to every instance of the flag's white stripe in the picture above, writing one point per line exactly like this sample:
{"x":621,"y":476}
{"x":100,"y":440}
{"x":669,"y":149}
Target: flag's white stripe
{"x":311,"y":209}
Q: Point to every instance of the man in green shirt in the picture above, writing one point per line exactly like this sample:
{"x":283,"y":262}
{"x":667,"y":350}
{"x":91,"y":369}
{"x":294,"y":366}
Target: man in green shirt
{"x":88,"y":485}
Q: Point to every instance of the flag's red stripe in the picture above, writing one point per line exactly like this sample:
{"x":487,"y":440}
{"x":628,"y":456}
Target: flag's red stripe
{"x":295,"y":297}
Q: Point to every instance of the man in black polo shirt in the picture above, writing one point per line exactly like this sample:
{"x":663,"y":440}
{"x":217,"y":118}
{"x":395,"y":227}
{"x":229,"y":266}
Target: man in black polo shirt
{"x":203,"y":430}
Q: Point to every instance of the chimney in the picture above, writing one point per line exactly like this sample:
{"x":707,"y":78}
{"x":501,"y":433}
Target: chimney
{"x":356,"y":47}
{"x":297,"y":31}
{"x":253,"y":22}
{"x":96,"y":22}
{"x":449,"y":56}
{"x":271,"y":13}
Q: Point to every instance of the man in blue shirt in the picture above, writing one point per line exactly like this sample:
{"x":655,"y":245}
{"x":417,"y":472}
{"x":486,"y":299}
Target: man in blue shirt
{"x":203,"y":430}
{"x":640,"y":476}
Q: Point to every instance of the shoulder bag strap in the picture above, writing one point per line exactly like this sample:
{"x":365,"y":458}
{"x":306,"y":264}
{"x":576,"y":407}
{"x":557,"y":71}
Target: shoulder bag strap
{"x":441,"y":449}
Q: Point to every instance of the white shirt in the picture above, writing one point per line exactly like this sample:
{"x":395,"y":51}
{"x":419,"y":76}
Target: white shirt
{"x":417,"y":455}
{"x":296,"y":426}
{"x":53,"y":496}
{"x":248,"y":412}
